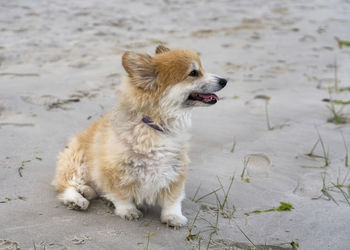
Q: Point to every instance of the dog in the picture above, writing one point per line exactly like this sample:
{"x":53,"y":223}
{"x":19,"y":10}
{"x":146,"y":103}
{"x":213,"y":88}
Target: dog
{"x":137,"y":153}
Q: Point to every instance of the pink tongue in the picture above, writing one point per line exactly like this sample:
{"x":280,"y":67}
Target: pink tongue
{"x":209,"y":97}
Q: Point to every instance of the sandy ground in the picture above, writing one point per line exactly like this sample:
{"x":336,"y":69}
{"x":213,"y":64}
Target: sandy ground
{"x":60,"y":66}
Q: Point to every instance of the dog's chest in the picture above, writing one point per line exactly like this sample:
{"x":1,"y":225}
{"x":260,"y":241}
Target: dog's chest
{"x":156,"y":170}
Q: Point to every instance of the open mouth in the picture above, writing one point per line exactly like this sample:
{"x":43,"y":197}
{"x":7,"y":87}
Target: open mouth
{"x":209,"y":98}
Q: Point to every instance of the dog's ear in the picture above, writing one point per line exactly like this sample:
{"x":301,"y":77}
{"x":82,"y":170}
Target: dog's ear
{"x":141,"y":69}
{"x":161,"y":49}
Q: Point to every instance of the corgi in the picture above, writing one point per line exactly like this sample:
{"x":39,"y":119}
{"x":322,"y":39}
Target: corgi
{"x":137,"y":153}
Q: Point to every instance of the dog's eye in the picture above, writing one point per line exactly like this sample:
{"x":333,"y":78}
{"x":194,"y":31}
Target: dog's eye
{"x":194,"y":73}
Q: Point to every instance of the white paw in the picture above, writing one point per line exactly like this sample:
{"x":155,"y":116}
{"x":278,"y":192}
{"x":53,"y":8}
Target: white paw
{"x":74,"y":200}
{"x":77,"y":204}
{"x":87,"y":192}
{"x":128,"y":213}
{"x":174,"y":220}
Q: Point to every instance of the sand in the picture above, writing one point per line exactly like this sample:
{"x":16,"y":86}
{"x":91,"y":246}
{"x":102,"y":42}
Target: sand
{"x":59,"y":70}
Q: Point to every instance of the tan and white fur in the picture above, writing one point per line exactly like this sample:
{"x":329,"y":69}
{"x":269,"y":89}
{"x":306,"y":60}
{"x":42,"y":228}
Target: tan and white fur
{"x":128,"y":162}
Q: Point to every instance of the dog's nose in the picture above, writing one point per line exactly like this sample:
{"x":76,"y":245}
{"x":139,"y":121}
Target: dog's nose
{"x":222,"y":82}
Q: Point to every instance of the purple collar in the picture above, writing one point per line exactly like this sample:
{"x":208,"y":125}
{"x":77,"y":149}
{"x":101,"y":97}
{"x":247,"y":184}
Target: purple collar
{"x":150,"y":123}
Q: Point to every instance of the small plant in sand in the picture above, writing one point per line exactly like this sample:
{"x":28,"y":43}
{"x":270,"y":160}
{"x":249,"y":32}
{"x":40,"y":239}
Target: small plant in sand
{"x":342,"y":43}
{"x":191,"y":235}
{"x":23,"y":163}
{"x":246,"y":236}
{"x":324,"y":156}
{"x":335,"y":75}
{"x":294,"y":244}
{"x":233,"y":145}
{"x":245,"y":163}
{"x":338,"y":117}
{"x":222,"y":204}
{"x":340,"y":102}
{"x":20,"y":169}
{"x":346,"y":158}
{"x":339,"y":187}
{"x":222,"y":207}
{"x":8,"y":199}
{"x":149,"y":239}
{"x":212,"y":229}
{"x":344,"y":89}
{"x":226,"y":192}
{"x":325,"y":189}
{"x":203,"y":196}
{"x":284,"y":206}
{"x":311,"y":153}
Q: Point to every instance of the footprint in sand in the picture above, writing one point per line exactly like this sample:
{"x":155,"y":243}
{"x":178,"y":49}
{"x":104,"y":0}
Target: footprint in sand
{"x":40,"y":100}
{"x":257,"y":165}
{"x":7,"y":244}
{"x":310,"y":185}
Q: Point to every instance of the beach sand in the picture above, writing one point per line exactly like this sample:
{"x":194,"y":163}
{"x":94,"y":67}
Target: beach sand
{"x":60,"y":66}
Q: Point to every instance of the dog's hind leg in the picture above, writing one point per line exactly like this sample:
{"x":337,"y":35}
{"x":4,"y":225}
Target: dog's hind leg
{"x":125,"y":208}
{"x":73,"y":199}
{"x":87,"y":191}
{"x":71,"y":177}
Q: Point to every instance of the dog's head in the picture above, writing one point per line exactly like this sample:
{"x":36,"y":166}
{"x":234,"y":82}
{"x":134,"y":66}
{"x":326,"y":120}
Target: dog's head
{"x":174,"y":78}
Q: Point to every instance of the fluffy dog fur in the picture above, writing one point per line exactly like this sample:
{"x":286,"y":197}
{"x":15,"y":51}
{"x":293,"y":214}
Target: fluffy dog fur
{"x":125,"y":160}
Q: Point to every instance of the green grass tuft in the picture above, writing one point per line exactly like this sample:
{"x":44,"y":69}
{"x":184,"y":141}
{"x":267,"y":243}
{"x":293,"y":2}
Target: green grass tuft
{"x":346,"y":160}
{"x":191,"y":235}
{"x":149,"y":239}
{"x":340,"y":102}
{"x":325,"y":153}
{"x":284,"y":206}
{"x":233,"y":145}
{"x":342,"y":43}
{"x":338,"y":117}
{"x":206,"y":195}
{"x":243,"y":178}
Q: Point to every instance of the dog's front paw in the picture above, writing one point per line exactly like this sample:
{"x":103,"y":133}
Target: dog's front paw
{"x":129,"y":213}
{"x":174,"y":220}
